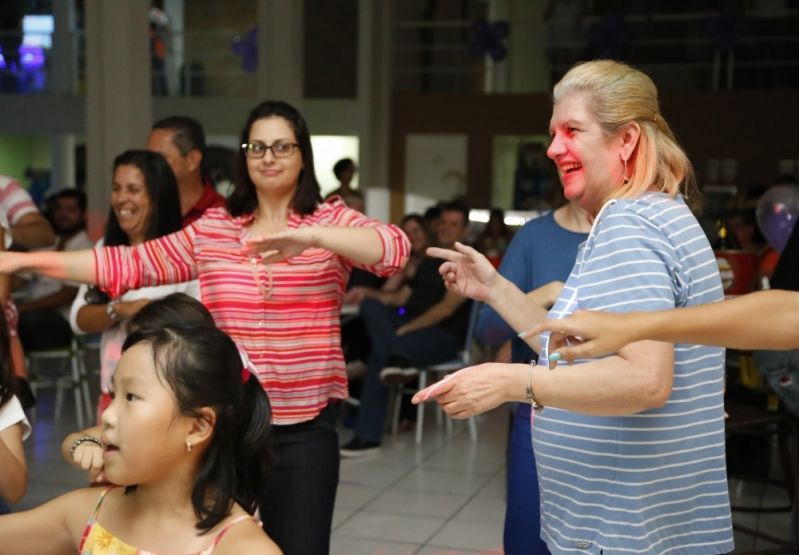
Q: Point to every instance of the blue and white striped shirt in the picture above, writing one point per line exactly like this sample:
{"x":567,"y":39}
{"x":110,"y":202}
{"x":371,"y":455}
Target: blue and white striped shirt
{"x":655,"y":481}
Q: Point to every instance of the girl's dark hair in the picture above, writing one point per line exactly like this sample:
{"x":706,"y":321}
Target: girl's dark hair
{"x":162,"y":188}
{"x":175,"y":307}
{"x":202,"y":367}
{"x":7,"y":380}
{"x":243,"y":199}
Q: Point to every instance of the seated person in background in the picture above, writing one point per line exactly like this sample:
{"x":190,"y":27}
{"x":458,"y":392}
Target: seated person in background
{"x":48,"y":300}
{"x":24,"y":228}
{"x":413,"y":226}
{"x":417,"y":325}
{"x":19,"y":215}
{"x":353,"y":335}
{"x":345,"y":170}
{"x":495,"y":238}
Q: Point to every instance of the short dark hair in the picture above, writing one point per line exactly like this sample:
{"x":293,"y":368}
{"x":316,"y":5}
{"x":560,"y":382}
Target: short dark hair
{"x":243,"y":199}
{"x":188,"y":133}
{"x":202,"y":367}
{"x":76,"y":194}
{"x":162,"y":188}
{"x":341,"y":166}
{"x":455,"y":206}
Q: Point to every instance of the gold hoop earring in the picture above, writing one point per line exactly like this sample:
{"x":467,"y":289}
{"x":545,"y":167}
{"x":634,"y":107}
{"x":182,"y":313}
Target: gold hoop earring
{"x":188,"y":446}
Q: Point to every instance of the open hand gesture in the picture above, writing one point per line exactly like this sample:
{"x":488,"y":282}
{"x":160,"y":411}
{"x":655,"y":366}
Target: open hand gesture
{"x":283,"y":245}
{"x":466,"y":271}
{"x":470,"y":391}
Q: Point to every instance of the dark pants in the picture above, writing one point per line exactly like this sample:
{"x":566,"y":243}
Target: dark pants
{"x":43,"y":329}
{"x":298,"y":509}
{"x":781,"y":370}
{"x":522,"y":533}
{"x":425,"y":347}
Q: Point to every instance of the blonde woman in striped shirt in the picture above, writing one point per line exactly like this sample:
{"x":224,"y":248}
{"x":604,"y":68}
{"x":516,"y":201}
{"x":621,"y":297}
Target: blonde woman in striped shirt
{"x":272,"y":270}
{"x":630,"y":447}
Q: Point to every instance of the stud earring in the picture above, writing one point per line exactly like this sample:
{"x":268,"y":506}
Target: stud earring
{"x":188,"y":446}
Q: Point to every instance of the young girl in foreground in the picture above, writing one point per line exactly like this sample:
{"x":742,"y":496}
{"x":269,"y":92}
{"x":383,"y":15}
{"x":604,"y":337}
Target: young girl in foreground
{"x":186,"y":435}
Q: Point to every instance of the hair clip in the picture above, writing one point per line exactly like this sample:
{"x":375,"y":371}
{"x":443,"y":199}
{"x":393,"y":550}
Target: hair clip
{"x":247,"y":367}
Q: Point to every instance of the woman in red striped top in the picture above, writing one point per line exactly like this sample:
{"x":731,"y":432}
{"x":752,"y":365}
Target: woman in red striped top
{"x":272,"y":270}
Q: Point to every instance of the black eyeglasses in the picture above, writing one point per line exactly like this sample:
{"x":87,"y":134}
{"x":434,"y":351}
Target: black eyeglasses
{"x":280,"y":149}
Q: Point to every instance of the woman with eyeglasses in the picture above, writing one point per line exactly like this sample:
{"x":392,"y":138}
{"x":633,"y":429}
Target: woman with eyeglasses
{"x":272,"y":271}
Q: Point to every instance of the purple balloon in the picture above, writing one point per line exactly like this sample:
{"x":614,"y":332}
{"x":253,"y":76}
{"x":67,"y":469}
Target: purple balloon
{"x":777,"y":212}
{"x":778,"y":228}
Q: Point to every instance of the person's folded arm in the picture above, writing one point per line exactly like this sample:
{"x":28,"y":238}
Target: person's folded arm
{"x":434,"y":315}
{"x":638,"y":378}
{"x":32,"y":231}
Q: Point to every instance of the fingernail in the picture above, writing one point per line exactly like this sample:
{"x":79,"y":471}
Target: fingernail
{"x":554,"y":357}
{"x":522,"y":334}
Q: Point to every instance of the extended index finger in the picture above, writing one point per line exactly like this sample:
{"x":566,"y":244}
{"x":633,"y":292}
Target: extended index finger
{"x":445,"y":254}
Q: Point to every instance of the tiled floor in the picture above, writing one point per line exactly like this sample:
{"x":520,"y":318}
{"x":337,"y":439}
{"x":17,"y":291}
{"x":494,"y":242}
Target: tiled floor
{"x":445,"y":497}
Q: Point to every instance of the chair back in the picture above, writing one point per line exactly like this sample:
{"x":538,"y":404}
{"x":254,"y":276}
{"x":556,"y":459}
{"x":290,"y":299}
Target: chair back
{"x":471,"y":329}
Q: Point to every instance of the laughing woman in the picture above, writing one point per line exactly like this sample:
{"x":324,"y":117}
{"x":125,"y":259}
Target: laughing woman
{"x":630,"y":447}
{"x":272,"y":271}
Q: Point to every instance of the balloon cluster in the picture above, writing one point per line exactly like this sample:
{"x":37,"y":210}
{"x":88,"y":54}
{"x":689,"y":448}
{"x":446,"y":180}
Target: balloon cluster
{"x":777,"y":212}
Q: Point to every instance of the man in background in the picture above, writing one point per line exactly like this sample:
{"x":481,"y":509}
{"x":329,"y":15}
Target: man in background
{"x":181,"y":141}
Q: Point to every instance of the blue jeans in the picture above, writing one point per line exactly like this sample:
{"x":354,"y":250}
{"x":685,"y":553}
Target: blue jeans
{"x":425,"y":347}
{"x":781,"y":371}
{"x":522,"y":534}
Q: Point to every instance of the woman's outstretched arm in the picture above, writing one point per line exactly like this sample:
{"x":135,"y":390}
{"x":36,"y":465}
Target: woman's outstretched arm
{"x":762,"y":320}
{"x":70,"y":266}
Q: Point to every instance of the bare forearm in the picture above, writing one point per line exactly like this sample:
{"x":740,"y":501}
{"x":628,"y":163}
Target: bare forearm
{"x":78,"y":266}
{"x":33,"y":234}
{"x":94,"y":318}
{"x":14,"y":477}
{"x":431,"y":317}
{"x":638,"y":378}
{"x":762,"y":320}
{"x":361,"y":244}
{"x":54,"y":301}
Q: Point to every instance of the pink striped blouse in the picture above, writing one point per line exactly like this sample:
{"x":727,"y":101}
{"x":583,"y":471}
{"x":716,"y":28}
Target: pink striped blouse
{"x":288,"y":321}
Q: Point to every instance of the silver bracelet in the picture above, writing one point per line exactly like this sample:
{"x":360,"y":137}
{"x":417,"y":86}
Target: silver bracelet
{"x":84,"y":439}
{"x":534,"y":404}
